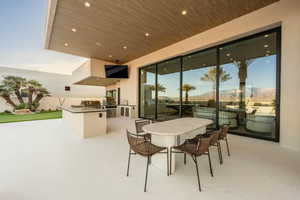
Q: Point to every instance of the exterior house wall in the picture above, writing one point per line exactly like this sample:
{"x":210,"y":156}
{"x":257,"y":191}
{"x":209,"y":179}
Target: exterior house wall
{"x":285,"y":13}
{"x":55,"y":83}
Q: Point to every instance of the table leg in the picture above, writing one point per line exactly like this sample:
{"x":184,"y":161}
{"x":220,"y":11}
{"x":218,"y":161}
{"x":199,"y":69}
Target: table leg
{"x":159,"y":160}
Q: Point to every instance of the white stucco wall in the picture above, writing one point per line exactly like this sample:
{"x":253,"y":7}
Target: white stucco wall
{"x":285,"y":13}
{"x":55,"y":83}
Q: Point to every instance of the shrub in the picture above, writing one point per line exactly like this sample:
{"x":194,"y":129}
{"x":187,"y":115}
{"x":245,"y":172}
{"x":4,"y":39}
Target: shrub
{"x":211,"y":103}
{"x":21,"y":106}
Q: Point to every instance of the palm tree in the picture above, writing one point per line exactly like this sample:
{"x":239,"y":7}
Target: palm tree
{"x":159,"y":87}
{"x":5,"y":93}
{"x":40,"y":93}
{"x":187,"y":88}
{"x":16,"y":83}
{"x":243,"y":65}
{"x":32,"y":87}
{"x":211,"y":76}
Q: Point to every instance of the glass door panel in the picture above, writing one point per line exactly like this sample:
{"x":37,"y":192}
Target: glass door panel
{"x":168,"y":89}
{"x":147,"y":92}
{"x":199,"y":81}
{"x":248,"y":99}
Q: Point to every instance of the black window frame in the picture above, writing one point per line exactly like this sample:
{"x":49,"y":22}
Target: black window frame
{"x":276,"y":30}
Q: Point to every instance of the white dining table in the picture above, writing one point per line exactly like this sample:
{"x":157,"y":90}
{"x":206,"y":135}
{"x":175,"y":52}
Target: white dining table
{"x":170,"y":133}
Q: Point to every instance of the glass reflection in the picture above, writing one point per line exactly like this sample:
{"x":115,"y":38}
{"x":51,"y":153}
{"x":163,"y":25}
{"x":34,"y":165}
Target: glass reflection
{"x":199,"y":79}
{"x":147,"y":92}
{"x":168,"y":92}
{"x":247,"y":101}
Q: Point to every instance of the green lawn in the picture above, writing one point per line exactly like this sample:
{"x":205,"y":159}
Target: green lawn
{"x":6,"y":118}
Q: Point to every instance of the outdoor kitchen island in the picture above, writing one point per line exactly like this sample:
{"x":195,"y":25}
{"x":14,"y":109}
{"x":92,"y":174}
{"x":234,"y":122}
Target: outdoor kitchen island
{"x":85,"y":122}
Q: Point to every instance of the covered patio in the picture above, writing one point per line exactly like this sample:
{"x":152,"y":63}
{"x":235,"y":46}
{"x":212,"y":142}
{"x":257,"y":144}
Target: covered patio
{"x":41,"y":160}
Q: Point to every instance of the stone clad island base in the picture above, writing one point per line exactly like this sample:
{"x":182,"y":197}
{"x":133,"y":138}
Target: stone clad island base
{"x":85,"y":122}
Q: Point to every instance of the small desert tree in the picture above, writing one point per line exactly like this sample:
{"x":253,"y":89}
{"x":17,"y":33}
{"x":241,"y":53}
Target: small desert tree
{"x":160,"y":88}
{"x":31,"y":88}
{"x":40,"y":93}
{"x":211,"y":76}
{"x":6,"y":93}
{"x":187,"y":88}
{"x":14,"y":85}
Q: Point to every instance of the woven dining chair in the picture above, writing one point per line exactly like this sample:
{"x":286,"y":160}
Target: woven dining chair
{"x":213,"y":143}
{"x":139,"y":124}
{"x":140,"y":145}
{"x":223,"y":137}
{"x":195,"y":149}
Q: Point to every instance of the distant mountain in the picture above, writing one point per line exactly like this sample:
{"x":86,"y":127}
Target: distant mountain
{"x":256,"y":95}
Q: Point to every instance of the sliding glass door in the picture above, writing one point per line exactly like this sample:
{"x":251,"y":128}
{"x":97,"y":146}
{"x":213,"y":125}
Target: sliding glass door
{"x":199,"y":81}
{"x":248,"y":99}
{"x":148,"y":92}
{"x":236,"y":83}
{"x":168,"y":89}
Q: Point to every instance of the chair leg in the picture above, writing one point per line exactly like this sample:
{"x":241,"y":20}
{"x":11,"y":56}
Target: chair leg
{"x":145,"y":187}
{"x":128,"y":162}
{"x":184,"y":159}
{"x":170,"y":161}
{"x":196,"y":163}
{"x":168,"y":172}
{"x":220,"y":153}
{"x":227,"y":146}
{"x":210,"y":167}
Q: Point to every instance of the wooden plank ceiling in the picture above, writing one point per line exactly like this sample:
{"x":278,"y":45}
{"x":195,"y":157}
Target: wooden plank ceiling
{"x":104,"y":28}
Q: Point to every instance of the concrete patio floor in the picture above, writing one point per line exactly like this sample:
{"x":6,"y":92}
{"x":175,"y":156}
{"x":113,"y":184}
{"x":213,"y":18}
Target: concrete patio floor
{"x":39,"y":160}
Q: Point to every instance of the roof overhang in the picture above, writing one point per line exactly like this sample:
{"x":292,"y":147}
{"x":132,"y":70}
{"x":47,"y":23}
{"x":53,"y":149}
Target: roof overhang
{"x":114,"y":25}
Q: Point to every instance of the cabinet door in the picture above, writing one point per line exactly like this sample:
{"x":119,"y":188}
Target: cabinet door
{"x":122,"y":111}
{"x":127,"y":112}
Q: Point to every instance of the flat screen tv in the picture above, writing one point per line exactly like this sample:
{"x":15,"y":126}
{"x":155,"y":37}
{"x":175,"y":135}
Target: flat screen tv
{"x":116,"y":71}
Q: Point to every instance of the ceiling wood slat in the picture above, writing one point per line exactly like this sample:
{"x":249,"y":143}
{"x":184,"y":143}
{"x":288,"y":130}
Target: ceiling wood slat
{"x":120,"y":23}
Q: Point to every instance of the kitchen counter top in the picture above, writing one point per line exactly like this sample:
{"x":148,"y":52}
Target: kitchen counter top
{"x":82,"y":109}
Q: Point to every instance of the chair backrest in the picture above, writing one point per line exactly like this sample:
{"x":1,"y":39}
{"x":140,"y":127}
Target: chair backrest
{"x":224,"y":131}
{"x":203,"y":144}
{"x":215,"y":137}
{"x":134,"y":139}
{"x":139,"y":144}
{"x":140,"y":123}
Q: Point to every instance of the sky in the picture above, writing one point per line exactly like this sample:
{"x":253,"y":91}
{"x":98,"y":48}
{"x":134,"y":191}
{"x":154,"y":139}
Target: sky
{"x":261,"y":73}
{"x":22,"y":36}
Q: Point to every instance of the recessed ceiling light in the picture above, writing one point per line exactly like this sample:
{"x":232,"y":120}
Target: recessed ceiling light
{"x":110,"y":56}
{"x":74,"y":30}
{"x":228,"y":54}
{"x":147,"y":34}
{"x":266,"y":46}
{"x":268,"y":51}
{"x":125,"y":47}
{"x":266,"y":36}
{"x":87,"y":4}
{"x":66,"y":44}
{"x":98,"y":43}
{"x":231,"y":58}
{"x":184,"y":12}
